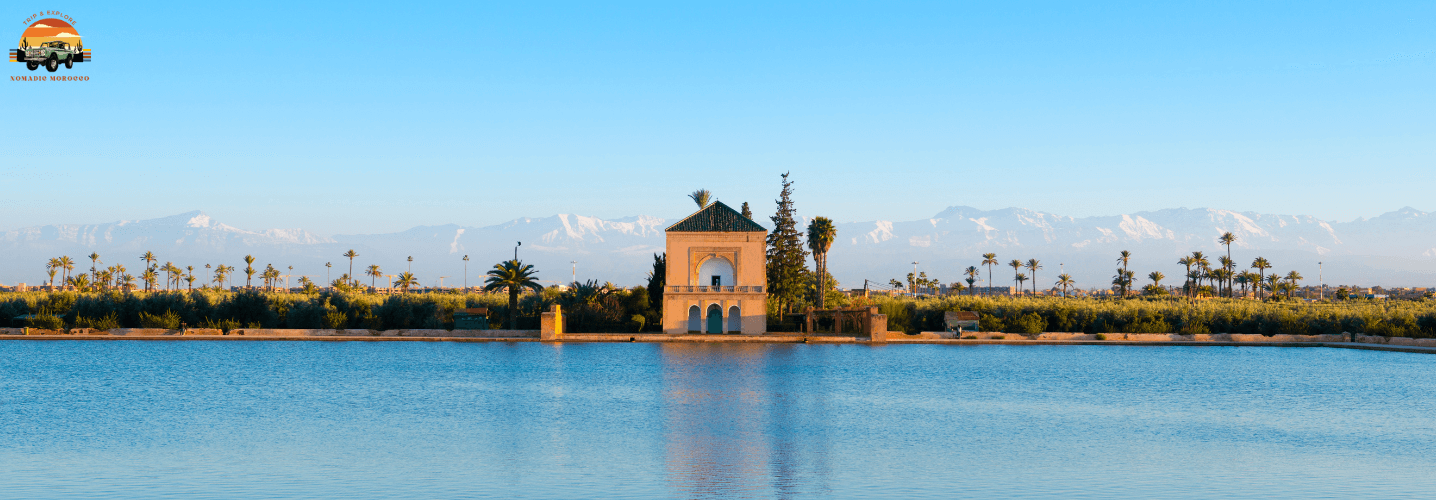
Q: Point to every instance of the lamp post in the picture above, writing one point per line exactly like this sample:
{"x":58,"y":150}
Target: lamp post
{"x":575,"y":270}
{"x":411,"y":264}
{"x":914,"y":279}
{"x":516,"y":250}
{"x":1320,"y":284}
{"x":466,"y":273}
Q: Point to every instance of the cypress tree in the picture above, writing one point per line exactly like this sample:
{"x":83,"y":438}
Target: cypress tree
{"x":656,"y":283}
{"x":746,"y":212}
{"x":787,"y":259}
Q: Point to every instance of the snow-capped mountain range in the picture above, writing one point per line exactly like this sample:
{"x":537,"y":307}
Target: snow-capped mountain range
{"x":1395,"y":249}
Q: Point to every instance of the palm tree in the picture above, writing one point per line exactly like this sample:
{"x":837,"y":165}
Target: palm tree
{"x":374,"y":273}
{"x":1124,"y":256}
{"x":126,"y":282}
{"x":513,"y":275}
{"x":989,"y":260}
{"x":248,"y":270}
{"x":701,"y":197}
{"x":117,"y":271}
{"x":50,"y":268}
{"x":1227,"y":266}
{"x":1022,"y":278}
{"x":1156,"y":277}
{"x":1187,"y":261}
{"x":150,"y":277}
{"x":81,"y":282}
{"x":971,"y":273}
{"x":406,"y":280}
{"x":821,"y":233}
{"x":1273,"y":284}
{"x":1227,"y":238}
{"x":1065,"y":280}
{"x":1016,"y":266}
{"x":1203,"y":266}
{"x":1242,"y":279}
{"x":67,"y":265}
{"x":1292,"y":278}
{"x":94,"y":259}
{"x":1033,"y":265}
{"x":351,"y":254}
{"x":1261,"y":265}
{"x":190,"y":276}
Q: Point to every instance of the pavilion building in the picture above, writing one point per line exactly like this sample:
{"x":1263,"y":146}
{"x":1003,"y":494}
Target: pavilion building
{"x":716,"y":275}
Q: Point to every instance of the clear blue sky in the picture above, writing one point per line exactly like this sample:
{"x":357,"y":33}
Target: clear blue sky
{"x":354,"y":117}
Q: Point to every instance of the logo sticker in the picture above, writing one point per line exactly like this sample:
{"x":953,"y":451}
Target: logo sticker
{"x":50,"y":43}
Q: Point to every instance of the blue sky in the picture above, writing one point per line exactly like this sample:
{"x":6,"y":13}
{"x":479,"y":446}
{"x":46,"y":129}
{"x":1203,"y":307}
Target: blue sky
{"x":354,"y":117}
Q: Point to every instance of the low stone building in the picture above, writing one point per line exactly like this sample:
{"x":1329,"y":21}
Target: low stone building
{"x":716,"y":279}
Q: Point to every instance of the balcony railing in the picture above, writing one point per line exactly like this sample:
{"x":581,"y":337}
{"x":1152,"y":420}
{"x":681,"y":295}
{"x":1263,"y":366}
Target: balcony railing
{"x":715,"y":289}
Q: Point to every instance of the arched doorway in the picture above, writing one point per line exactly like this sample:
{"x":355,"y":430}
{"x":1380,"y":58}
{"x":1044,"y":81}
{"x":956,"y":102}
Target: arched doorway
{"x":735,"y":320}
{"x":695,"y":320}
{"x":715,"y":319}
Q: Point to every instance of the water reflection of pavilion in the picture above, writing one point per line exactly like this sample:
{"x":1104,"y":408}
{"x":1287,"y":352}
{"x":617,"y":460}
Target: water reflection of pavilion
{"x":731,"y":427}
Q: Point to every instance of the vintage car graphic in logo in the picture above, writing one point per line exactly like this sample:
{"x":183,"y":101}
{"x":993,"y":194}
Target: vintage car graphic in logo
{"x":50,"y":43}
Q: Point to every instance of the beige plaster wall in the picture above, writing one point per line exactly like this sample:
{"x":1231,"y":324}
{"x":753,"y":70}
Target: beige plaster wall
{"x":686,"y":254}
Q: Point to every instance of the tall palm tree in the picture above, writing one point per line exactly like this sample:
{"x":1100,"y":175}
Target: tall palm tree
{"x":1016,"y":266}
{"x":67,"y":264}
{"x":51,"y":267}
{"x":190,"y":276}
{"x":149,"y":277}
{"x":1188,"y":286}
{"x":1292,"y":278}
{"x":1227,"y":238}
{"x":1203,"y":266}
{"x":374,"y":273}
{"x":126,"y":282}
{"x":248,"y":270}
{"x":149,"y":258}
{"x":821,"y":233}
{"x":94,"y":260}
{"x":1261,"y":265}
{"x":1227,"y":266}
{"x":989,"y":260}
{"x":513,"y":275}
{"x":1022,"y":278}
{"x":406,"y":280}
{"x":1273,"y":284}
{"x":701,"y":197}
{"x":1033,"y":265}
{"x":971,"y":273}
{"x":1065,"y":280}
{"x":1123,"y":257}
{"x":351,"y":254}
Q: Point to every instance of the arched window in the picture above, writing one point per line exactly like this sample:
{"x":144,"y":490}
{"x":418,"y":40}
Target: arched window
{"x":716,"y":271}
{"x":735,"y":320}
{"x":695,"y":320}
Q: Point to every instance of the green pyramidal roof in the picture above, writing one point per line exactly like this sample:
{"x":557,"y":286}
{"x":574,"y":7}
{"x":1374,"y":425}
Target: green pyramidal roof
{"x":716,"y":218}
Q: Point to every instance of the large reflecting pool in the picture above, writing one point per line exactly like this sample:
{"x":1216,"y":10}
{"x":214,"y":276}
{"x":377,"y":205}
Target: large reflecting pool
{"x":447,"y":420}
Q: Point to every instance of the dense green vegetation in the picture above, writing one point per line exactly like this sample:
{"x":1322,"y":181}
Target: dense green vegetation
{"x":588,"y":307}
{"x":1167,"y":315}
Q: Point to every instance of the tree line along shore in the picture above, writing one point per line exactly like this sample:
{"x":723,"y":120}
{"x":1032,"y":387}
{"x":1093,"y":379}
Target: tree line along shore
{"x":1212,"y":298}
{"x":612,"y":310}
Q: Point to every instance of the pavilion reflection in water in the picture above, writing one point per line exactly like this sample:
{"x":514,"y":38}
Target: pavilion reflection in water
{"x":732,"y":427}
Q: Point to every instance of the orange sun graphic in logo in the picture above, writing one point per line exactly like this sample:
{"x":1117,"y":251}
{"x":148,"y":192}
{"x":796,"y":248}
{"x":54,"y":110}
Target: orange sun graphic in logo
{"x":50,"y":43}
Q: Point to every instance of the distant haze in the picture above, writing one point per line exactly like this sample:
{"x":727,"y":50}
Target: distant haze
{"x":1394,"y":249}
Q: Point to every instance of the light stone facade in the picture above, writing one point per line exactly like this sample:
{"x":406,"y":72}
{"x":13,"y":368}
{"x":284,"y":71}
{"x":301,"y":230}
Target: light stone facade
{"x":695,"y":260}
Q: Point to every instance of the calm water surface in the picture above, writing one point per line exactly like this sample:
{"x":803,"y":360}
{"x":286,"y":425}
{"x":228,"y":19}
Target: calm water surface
{"x":86,"y":419}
